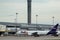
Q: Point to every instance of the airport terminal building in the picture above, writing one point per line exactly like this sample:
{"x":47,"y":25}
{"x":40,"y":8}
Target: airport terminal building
{"x":25,"y":26}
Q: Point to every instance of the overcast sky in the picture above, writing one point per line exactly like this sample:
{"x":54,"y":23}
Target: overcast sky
{"x":45,"y":9}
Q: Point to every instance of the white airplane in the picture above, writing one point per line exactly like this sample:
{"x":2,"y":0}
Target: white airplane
{"x":37,"y":33}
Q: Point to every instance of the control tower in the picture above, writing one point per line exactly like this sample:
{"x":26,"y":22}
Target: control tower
{"x":29,"y":11}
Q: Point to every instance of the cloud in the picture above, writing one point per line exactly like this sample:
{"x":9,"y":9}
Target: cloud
{"x":40,"y":1}
{"x":12,"y":7}
{"x":7,"y":9}
{"x":12,"y":1}
{"x":44,"y":8}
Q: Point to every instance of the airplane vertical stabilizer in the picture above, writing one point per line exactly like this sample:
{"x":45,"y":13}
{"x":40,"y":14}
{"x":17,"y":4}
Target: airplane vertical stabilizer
{"x":53,"y":30}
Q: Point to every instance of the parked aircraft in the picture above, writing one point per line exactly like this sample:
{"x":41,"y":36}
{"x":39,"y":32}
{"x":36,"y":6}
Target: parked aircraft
{"x":37,"y":33}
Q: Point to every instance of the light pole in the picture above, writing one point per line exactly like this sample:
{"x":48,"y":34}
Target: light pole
{"x":36,"y":21}
{"x":53,"y":19}
{"x":16,"y":17}
{"x":16,"y":21}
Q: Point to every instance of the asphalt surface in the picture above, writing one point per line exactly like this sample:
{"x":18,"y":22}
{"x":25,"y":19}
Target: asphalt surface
{"x":29,"y":38}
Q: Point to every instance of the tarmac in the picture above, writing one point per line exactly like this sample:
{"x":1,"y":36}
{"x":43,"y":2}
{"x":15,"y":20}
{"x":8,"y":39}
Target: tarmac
{"x":29,"y":38}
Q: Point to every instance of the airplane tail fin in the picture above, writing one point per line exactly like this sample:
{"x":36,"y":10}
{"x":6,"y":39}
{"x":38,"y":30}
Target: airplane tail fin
{"x":53,"y":30}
